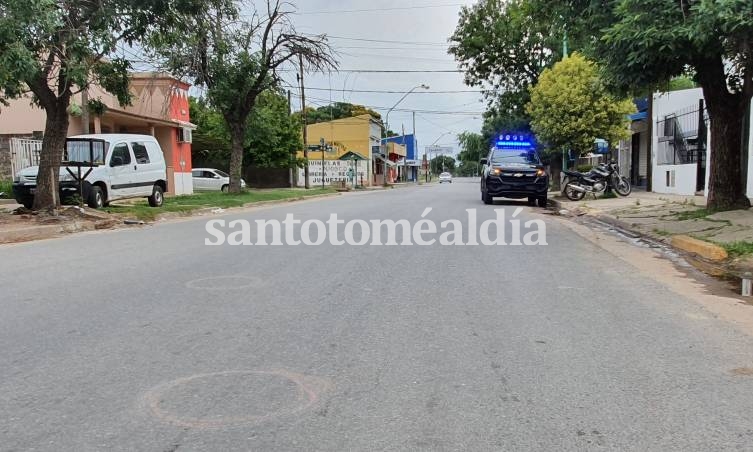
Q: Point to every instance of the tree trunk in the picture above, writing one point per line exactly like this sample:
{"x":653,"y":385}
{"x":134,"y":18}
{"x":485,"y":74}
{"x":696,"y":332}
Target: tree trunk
{"x":726,"y":110}
{"x":237,"y":134}
{"x":555,"y":169}
{"x":53,"y":144}
{"x":726,"y":188}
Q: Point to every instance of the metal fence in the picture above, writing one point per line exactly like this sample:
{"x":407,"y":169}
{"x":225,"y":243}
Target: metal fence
{"x":682,"y":137}
{"x":24,"y":153}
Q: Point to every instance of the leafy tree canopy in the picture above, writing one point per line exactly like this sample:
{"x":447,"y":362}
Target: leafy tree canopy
{"x":442,"y":163}
{"x":271,"y":133}
{"x":570,"y":107}
{"x":652,"y":41}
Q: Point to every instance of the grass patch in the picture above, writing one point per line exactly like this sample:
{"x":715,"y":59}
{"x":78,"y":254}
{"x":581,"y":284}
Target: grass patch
{"x":662,"y":232}
{"x":6,"y":187}
{"x":189,"y":203}
{"x":738,"y":249}
{"x":693,"y":214}
{"x":609,"y":195}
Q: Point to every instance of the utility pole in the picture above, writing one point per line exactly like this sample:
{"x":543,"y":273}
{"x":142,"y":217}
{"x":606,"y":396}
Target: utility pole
{"x":322,"y":146}
{"x":293,"y":167}
{"x":415,"y":144}
{"x":303,"y":117}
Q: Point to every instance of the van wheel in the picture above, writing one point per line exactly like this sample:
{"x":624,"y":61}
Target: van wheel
{"x":543,"y":201}
{"x":96,"y":198}
{"x":157,"y":197}
{"x":28,"y":204}
{"x":225,"y":188}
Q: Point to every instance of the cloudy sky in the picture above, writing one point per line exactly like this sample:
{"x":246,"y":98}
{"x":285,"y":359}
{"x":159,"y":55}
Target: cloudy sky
{"x":393,"y":35}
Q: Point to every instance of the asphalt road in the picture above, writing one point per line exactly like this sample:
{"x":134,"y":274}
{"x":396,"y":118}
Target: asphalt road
{"x":149,"y":340}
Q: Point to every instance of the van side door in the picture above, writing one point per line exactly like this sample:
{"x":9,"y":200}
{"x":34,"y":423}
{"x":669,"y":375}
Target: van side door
{"x":122,"y":171}
{"x":146,"y":171}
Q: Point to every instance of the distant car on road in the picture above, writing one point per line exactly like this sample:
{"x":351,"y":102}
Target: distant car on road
{"x":212,"y":179}
{"x":445,"y":177}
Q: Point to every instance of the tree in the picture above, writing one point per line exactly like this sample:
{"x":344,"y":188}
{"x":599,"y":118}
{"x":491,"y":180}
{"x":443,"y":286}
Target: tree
{"x":338,"y":110}
{"x":570,"y":108}
{"x":474,"y":147}
{"x":237,"y":59}
{"x":713,"y":38}
{"x":53,"y":50}
{"x":272,"y":134}
{"x":442,"y":163}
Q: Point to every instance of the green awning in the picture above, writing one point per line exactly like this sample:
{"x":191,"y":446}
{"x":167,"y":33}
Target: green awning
{"x":350,"y":155}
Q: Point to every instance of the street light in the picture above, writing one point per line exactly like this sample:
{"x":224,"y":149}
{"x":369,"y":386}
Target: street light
{"x":387,"y":119}
{"x":432,"y":144}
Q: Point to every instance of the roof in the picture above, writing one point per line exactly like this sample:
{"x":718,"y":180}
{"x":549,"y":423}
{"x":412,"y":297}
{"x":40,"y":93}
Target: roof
{"x":110,"y":137}
{"x":641,"y":115}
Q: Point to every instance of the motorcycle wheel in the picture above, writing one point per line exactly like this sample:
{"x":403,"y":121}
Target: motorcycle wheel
{"x":573,"y":195}
{"x":622,"y":187}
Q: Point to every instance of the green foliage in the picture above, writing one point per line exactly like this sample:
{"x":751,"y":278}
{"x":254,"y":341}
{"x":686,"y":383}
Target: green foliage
{"x":271,"y":133}
{"x":468,"y":169}
{"x":337,"y":110}
{"x":235,"y":57}
{"x":97,"y":107}
{"x":442,"y":161}
{"x":186,"y":204}
{"x":6,"y":187}
{"x":680,"y":83}
{"x":570,"y":107}
{"x":738,"y":249}
{"x":474,"y":147}
{"x":693,"y":214}
{"x":641,"y":49}
{"x":53,"y":49}
{"x":504,"y":45}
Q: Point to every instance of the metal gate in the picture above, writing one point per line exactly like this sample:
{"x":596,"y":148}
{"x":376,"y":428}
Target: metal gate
{"x":24,"y":153}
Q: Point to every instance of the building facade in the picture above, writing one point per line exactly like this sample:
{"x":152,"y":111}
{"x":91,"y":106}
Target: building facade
{"x":357,"y":135}
{"x":408,"y":167}
{"x":682,"y":145}
{"x":159,"y":107}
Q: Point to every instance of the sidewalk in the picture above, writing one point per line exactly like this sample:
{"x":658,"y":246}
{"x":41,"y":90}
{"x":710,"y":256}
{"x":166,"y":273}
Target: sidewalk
{"x":682,"y":222}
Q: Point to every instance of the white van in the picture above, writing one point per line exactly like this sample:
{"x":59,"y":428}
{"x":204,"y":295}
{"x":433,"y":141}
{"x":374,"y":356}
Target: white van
{"x":122,"y":166}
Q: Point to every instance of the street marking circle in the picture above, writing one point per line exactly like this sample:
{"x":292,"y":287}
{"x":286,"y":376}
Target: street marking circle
{"x":233,"y":398}
{"x":224,"y":282}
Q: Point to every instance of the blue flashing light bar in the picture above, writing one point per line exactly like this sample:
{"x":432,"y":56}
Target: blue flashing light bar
{"x":516,"y":144}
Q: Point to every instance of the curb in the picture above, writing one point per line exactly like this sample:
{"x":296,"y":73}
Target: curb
{"x":42,"y":232}
{"x":209,"y":210}
{"x":705,"y":256}
{"x":700,"y":248}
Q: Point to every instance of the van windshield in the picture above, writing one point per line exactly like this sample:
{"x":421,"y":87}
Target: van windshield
{"x":85,"y":151}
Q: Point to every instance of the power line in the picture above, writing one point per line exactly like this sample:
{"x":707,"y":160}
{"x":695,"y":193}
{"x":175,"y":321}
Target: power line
{"x":405,"y":110}
{"x":400,"y":8}
{"x":394,"y":92}
{"x":417,"y":43}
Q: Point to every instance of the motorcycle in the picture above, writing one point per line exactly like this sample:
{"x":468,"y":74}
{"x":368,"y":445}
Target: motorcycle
{"x":601,"y":178}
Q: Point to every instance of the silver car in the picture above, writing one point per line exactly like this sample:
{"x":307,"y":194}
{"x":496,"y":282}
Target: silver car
{"x":212,"y":179}
{"x":445,"y":177}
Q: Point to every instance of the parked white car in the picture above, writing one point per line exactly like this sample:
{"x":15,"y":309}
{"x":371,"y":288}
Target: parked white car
{"x":122,"y":166}
{"x":445,"y":177}
{"x":212,"y":179}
